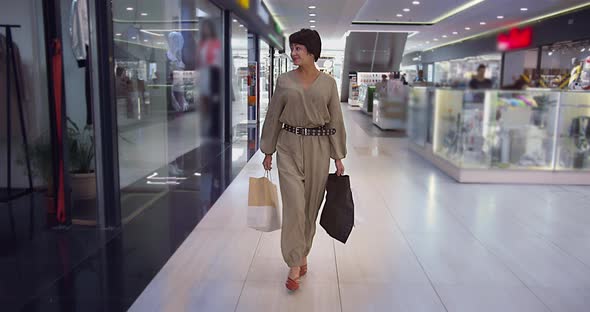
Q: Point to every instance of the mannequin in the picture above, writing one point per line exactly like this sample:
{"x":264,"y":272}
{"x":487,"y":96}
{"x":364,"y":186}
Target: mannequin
{"x":174,"y":56}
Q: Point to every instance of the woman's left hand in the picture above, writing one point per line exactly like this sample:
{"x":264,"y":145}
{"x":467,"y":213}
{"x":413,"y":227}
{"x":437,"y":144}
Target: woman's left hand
{"x":339,"y":167}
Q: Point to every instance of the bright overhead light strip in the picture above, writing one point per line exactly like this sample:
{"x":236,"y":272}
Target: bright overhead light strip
{"x":151,"y":33}
{"x":529,"y":21}
{"x":274,"y":15}
{"x":439,"y":19}
{"x":458,"y":10}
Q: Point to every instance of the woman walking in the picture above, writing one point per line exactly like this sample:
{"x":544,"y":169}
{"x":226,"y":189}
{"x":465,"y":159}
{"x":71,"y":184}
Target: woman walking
{"x":304,"y":126}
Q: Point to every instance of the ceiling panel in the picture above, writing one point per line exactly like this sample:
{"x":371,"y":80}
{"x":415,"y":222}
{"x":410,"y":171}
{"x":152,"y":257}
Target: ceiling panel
{"x":334,"y":17}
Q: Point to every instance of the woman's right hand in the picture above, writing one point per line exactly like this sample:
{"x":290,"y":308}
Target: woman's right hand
{"x":267,"y":163}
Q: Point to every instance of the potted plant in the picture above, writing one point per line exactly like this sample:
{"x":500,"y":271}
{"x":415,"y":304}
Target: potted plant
{"x":41,"y":166}
{"x":81,"y":148}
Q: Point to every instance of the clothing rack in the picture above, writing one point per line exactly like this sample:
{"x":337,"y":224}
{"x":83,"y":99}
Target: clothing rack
{"x":11,"y":64}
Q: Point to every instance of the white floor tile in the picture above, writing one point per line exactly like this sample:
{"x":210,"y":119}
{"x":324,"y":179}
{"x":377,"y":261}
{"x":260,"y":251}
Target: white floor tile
{"x":273,"y":296}
{"x":389,"y":297}
{"x":490,"y":299}
{"x":564,"y":299}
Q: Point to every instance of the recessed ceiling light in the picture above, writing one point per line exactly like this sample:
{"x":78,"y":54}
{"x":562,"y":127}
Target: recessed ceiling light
{"x":130,"y":9}
{"x":118,"y":34}
{"x":455,"y":33}
{"x":467,"y":28}
{"x":500,"y":17}
{"x":133,"y":37}
{"x":144,"y":14}
{"x":312,"y":14}
{"x":550,"y":53}
{"x":312,"y":26}
{"x":583,"y":49}
{"x":435,"y":39}
{"x":235,"y":20}
{"x":406,"y":10}
{"x":400,"y":15}
{"x":145,"y":40}
{"x":241,"y":25}
{"x":416,"y":2}
{"x":311,"y":7}
{"x":312,"y":21}
{"x":524,"y":9}
{"x":482,"y":23}
{"x":427,"y":42}
{"x":444,"y":36}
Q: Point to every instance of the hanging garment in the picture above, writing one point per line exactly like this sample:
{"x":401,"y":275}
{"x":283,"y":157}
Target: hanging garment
{"x":15,"y":130}
{"x":57,"y":75}
{"x":79,"y":30}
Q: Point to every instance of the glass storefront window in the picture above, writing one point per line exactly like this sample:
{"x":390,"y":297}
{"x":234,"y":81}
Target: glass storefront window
{"x":518,"y":64}
{"x":239,"y":70}
{"x":559,"y":61}
{"x":168,"y":75}
{"x":265,"y":76}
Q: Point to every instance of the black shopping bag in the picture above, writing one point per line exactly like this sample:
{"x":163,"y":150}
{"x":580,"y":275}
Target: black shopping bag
{"x":338,"y":213}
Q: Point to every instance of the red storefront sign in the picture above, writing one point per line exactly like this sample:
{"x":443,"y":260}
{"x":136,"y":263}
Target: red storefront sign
{"x":515,"y":39}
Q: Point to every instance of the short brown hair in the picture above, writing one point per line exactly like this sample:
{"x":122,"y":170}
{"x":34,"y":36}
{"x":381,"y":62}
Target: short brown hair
{"x":310,"y":39}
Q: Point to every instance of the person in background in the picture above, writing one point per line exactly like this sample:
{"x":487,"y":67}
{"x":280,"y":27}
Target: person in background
{"x":479,"y":81}
{"x":382,"y":85}
{"x":404,"y":80}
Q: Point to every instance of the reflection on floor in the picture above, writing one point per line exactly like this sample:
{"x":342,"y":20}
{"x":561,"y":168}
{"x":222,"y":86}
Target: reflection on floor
{"x":86,"y":269}
{"x":421,"y":243}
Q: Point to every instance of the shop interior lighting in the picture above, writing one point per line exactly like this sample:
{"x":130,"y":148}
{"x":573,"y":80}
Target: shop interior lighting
{"x":400,"y":15}
{"x":406,"y":10}
{"x":312,"y":26}
{"x":524,"y":9}
{"x":144,"y":14}
{"x":435,"y":39}
{"x":129,"y":9}
{"x":311,"y":7}
{"x":235,"y":20}
{"x":467,"y":28}
{"x":444,"y":36}
{"x":118,"y":34}
{"x":583,"y":49}
{"x":312,"y":14}
{"x":133,"y":37}
{"x":500,"y":16}
{"x":416,"y":2}
{"x":312,"y":21}
{"x":145,"y":40}
{"x":482,"y":23}
{"x":455,"y":33}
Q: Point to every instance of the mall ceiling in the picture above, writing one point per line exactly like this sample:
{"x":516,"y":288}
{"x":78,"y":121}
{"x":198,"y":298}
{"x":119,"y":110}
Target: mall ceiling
{"x":432,"y":23}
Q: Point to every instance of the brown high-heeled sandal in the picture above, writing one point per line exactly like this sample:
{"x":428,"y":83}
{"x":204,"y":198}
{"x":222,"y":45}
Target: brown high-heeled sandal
{"x":303,"y":270}
{"x":292,"y":284}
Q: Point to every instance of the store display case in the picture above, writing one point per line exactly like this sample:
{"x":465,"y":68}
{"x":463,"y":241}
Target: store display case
{"x":534,"y":136}
{"x":573,"y":147}
{"x":419,"y":110}
{"x":390,"y":110}
{"x":366,"y":96}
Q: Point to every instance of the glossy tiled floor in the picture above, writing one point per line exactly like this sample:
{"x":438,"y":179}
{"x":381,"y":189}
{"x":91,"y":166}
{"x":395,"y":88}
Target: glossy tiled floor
{"x":421,"y":243}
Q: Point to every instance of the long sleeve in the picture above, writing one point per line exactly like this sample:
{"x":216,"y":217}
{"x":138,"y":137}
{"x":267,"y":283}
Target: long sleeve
{"x":337,"y":141}
{"x":272,"y":124}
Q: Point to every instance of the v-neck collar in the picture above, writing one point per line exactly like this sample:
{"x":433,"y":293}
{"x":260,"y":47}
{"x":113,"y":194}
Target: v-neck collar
{"x":300,"y":84}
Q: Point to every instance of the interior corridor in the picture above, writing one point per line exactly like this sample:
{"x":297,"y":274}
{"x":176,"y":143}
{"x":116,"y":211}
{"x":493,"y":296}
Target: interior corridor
{"x":422,"y":242}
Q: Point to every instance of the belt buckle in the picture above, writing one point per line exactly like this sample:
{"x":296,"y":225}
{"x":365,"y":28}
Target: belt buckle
{"x":298,"y":130}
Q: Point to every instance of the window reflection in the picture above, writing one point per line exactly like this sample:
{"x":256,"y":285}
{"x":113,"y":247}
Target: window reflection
{"x":167,"y":72}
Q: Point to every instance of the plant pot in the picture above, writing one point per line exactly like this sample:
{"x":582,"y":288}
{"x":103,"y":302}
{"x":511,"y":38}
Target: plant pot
{"x":83,"y":186}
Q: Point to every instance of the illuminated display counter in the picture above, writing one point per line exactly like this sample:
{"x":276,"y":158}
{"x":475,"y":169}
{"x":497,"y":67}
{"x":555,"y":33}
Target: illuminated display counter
{"x":533,"y":136}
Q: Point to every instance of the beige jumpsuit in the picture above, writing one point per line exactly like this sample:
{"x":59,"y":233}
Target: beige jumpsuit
{"x":303,"y":161}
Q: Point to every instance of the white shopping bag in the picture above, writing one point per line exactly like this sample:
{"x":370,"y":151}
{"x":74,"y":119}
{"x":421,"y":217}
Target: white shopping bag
{"x":263,"y":205}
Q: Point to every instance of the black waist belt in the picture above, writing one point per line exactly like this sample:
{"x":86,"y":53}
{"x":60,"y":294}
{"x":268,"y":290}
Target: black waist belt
{"x":319,"y":131}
